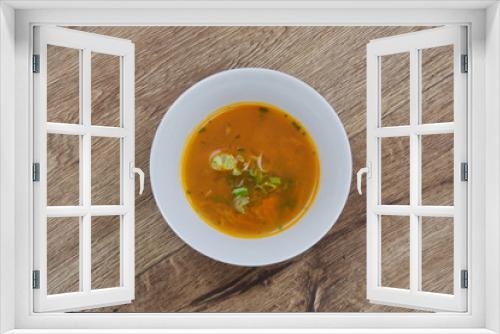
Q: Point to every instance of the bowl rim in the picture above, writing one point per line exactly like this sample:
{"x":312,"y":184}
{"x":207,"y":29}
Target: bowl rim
{"x":166,"y":119}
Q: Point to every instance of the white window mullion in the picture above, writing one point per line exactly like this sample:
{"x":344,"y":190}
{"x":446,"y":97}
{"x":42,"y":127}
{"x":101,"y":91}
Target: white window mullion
{"x":82,"y":168}
{"x":419,"y":210}
{"x":85,"y":175}
{"x":80,"y":211}
{"x":373,"y":263}
{"x":85,"y":252}
{"x":93,"y":130}
{"x":420,"y":129}
{"x":124,"y":176}
{"x":127,"y":236}
{"x":415,"y":272}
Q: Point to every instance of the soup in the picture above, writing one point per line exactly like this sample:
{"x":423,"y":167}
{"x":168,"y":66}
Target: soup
{"x":250,"y":170}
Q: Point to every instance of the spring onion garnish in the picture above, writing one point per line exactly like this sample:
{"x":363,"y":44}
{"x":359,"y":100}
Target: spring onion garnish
{"x":223,"y":161}
{"x":246,"y":177}
{"x":240,"y":203}
{"x":240,"y":191}
{"x":275,"y":180}
{"x":259,"y":162}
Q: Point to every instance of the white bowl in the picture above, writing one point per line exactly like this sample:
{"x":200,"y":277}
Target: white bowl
{"x":291,"y":95}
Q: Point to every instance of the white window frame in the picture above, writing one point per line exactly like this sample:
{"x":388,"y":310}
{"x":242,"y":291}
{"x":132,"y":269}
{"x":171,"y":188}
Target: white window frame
{"x":412,"y":44}
{"x":16,"y":21}
{"x":86,"y":44}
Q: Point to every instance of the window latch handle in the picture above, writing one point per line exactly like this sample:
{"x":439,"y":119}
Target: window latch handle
{"x":134,"y":170}
{"x":365,"y":170}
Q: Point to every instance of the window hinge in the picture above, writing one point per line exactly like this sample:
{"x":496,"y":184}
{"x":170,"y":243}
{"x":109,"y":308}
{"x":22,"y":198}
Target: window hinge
{"x":36,"y":172}
{"x":464,"y":171}
{"x":365,"y":170}
{"x":465,"y":64}
{"x":36,"y":279}
{"x":36,"y":63}
{"x":134,"y":170}
{"x":464,"y":279}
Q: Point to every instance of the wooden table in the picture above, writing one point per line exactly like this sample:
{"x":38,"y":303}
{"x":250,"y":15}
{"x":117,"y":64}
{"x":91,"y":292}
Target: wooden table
{"x":172,"y":277}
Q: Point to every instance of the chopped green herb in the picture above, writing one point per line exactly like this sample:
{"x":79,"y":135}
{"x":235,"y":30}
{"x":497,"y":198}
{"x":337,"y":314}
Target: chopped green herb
{"x":240,"y":191}
{"x":188,"y":192}
{"x":240,"y":149}
{"x":296,"y":125}
{"x":243,"y":172}
{"x":263,"y":109}
{"x":203,"y":129}
{"x":257,"y":175}
{"x":275,"y":180}
{"x":261,"y":188}
{"x":270,"y":185}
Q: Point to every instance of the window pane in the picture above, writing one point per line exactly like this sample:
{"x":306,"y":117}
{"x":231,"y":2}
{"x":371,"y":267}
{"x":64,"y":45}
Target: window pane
{"x":395,"y":170}
{"x":437,"y":169}
{"x":63,"y":255}
{"x":437,"y":254}
{"x":63,"y":165}
{"x":437,"y":84}
{"x":395,"y":251}
{"x":63,"y":84}
{"x":395,"y":89}
{"x":105,"y":171}
{"x":105,"y":252}
{"x":105,"y":90}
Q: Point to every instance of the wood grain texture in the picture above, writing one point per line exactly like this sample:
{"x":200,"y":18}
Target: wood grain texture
{"x":331,"y":276}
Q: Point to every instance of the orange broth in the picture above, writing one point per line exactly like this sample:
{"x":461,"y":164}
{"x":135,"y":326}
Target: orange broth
{"x":250,"y":170}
